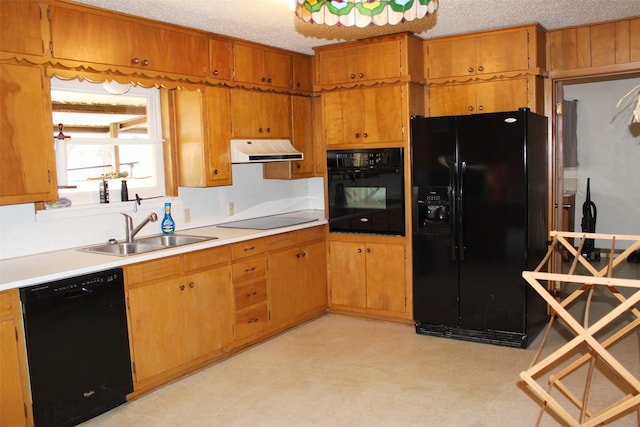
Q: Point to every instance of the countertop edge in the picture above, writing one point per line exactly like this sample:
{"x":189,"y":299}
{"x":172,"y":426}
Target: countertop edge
{"x":50,"y":266}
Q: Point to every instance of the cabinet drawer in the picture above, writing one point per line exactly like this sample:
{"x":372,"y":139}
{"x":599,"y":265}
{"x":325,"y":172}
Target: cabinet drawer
{"x":206,"y":258}
{"x":249,"y":269}
{"x":311,"y":234}
{"x":252,"y":321}
{"x":281,"y":241}
{"x":251,"y":294}
{"x":152,"y":270}
{"x":248,"y":248}
{"x":5,"y":303}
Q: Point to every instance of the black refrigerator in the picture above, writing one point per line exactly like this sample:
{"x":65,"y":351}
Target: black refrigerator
{"x":479,"y":185}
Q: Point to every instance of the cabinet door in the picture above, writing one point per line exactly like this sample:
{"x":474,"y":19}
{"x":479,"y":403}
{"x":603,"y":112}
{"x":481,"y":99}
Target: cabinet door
{"x":313,"y":277}
{"x":502,"y":52}
{"x":166,"y":50}
{"x":335,"y":65}
{"x":220,"y":59}
{"x":451,"y":100}
{"x":383,"y":115}
{"x":12,"y":404}
{"x":347,"y":274}
{"x":159,"y":329}
{"x":302,"y":73}
{"x":82,"y":36}
{"x":379,"y":60}
{"x":276,"y":115}
{"x":210,"y":311}
{"x":26,"y":153}
{"x":502,"y":95}
{"x":278,"y":69}
{"x":20,"y":27}
{"x":248,"y":63}
{"x":219,"y":133}
{"x":284,"y":286}
{"x":302,"y":131}
{"x":451,"y":58}
{"x":246,"y":116}
{"x":342,"y":116}
{"x":386,"y":286}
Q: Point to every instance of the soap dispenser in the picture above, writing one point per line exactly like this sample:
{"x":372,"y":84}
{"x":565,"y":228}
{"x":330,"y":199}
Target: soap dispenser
{"x":168,"y":224}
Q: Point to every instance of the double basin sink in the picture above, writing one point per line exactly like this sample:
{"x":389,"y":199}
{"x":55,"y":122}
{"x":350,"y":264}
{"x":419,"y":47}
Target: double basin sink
{"x":145,"y":244}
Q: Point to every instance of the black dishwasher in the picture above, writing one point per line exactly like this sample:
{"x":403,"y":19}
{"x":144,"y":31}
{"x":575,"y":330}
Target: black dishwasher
{"x":77,"y":347}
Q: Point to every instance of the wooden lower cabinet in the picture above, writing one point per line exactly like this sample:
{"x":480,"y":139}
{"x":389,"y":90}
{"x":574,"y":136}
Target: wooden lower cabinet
{"x":15,"y":404}
{"x":180,"y":318}
{"x":368,"y":277}
{"x":297,"y":275}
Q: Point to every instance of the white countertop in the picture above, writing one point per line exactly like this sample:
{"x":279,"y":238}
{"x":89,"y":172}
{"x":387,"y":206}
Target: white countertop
{"x":49,"y":266}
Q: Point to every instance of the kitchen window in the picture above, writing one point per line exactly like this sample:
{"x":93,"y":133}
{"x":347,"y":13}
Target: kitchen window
{"x":107,"y":131}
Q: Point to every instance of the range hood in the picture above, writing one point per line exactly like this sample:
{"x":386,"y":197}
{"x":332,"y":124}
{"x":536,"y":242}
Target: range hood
{"x":263,"y":150}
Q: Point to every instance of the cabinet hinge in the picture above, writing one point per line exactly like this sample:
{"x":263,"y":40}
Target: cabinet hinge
{"x":15,"y":331}
{"x":128,"y":304}
{"x":133,"y":367}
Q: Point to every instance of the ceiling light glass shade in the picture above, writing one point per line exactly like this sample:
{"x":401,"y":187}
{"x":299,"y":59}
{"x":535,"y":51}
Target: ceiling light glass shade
{"x":362,"y":13}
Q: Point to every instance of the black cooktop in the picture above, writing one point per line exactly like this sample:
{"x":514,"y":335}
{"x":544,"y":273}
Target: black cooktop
{"x":267,"y":222}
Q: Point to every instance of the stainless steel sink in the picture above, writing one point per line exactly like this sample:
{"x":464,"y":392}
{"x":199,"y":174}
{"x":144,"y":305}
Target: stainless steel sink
{"x":167,"y":240}
{"x":146,"y":244}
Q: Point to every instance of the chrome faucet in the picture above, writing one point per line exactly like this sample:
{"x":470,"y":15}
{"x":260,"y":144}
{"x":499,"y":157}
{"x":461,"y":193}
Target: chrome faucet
{"x":131,"y":231}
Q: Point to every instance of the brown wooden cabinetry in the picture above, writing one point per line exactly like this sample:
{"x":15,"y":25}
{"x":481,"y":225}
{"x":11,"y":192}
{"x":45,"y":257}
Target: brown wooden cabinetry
{"x":181,"y":313}
{"x":15,"y":405}
{"x":257,"y":114}
{"x":486,"y":97}
{"x":263,"y":66}
{"x":249,"y":272}
{"x":297,"y":275}
{"x":105,"y":38}
{"x":203,"y":131}
{"x":463,"y":57}
{"x":364,"y":115}
{"x":381,"y":59}
{"x":21,"y":29}
{"x":220,"y":59}
{"x":302,"y":74}
{"x":26,"y":153}
{"x":302,"y":117}
{"x":368,"y":276}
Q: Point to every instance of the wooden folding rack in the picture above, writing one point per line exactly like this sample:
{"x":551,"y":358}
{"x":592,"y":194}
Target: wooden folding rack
{"x":585,"y":333}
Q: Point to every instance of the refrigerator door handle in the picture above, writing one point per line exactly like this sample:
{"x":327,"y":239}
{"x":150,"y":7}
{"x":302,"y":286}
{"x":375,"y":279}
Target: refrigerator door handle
{"x":460,"y":219}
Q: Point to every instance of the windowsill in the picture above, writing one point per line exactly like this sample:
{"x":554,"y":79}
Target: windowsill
{"x":89,"y":210}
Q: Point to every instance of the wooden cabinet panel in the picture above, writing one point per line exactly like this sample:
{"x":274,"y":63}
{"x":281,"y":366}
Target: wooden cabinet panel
{"x":202,"y":134}
{"x":21,"y":27}
{"x":26,"y":153}
{"x":451,"y":58}
{"x":260,"y":114}
{"x":364,"y":115}
{"x":347,"y":274}
{"x":248,"y":248}
{"x":206,"y":258}
{"x":251,"y":293}
{"x":303,"y":73}
{"x":367,"y":276}
{"x":252,"y":321}
{"x":258,"y":65}
{"x":389,"y":58}
{"x":249,"y":269}
{"x":220,"y":59}
{"x":107,"y":39}
{"x":488,"y":97}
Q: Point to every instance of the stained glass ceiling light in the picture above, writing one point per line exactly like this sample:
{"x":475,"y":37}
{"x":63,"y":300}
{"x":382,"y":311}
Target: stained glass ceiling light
{"x":363,"y":13}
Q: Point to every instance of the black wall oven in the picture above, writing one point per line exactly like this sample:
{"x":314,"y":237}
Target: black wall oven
{"x":366,"y":191}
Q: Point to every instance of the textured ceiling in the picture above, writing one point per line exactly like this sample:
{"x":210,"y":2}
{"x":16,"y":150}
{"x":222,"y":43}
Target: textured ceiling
{"x":272,"y":22}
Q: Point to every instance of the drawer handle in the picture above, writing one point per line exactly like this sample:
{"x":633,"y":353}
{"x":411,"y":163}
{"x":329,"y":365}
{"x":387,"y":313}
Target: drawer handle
{"x":365,"y":135}
{"x":353,"y":76}
{"x":480,"y":68}
{"x":359,"y":250}
{"x":470,"y":108}
{"x":135,"y":61}
{"x":254,"y":320}
{"x":145,"y":62}
{"x":249,"y":269}
{"x":250,"y":248}
{"x":181,"y":287}
{"x":191,"y":285}
{"x":368,"y":250}
{"x":252,"y":294}
{"x":361,"y":75}
{"x":215,"y":72}
{"x":470,"y":69}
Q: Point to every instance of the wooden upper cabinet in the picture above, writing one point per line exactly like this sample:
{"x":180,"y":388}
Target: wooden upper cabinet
{"x":202,"y":133}
{"x":597,"y":45}
{"x":364,"y":115}
{"x":21,"y":27}
{"x":381,"y":59}
{"x":516,"y":49}
{"x":302,"y":73}
{"x":26,"y":153}
{"x":262,"y":66}
{"x":257,"y":114}
{"x":107,"y":39}
{"x":220,"y":59}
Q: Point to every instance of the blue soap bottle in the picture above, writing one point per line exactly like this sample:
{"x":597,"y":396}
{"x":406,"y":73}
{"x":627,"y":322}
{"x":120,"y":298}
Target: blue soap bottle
{"x":168,"y":224}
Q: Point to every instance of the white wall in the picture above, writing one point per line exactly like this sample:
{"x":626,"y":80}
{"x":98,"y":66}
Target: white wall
{"x":25,"y":232}
{"x":609,"y":154}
